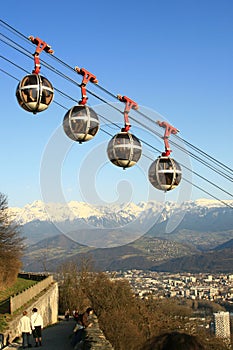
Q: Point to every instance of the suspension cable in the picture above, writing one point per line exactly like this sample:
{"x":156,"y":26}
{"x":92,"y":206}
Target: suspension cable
{"x":195,"y":173}
{"x":204,"y":162}
{"x":220,"y":164}
{"x":112,"y":107}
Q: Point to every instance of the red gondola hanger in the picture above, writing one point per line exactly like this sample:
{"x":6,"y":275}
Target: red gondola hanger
{"x":41,"y":45}
{"x":124,"y":149}
{"x":81,"y":123}
{"x":128,"y":105}
{"x":165,"y":173}
{"x":87,"y":76}
{"x":169,"y":129}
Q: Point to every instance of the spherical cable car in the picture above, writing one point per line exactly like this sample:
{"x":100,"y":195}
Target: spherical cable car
{"x":34,"y":93}
{"x":81,"y":123}
{"x":165,"y":173}
{"x":124,"y":149}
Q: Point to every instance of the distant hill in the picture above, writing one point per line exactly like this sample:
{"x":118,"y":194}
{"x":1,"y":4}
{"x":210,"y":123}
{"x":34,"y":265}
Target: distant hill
{"x":141,"y":254}
{"x":47,"y":253}
{"x":201,"y":227}
{"x":211,"y":262}
{"x":226,"y":245}
{"x":144,"y":254}
{"x":192,"y":236}
{"x":37,"y":230}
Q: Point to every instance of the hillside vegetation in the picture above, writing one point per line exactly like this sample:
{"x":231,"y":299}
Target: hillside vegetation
{"x":146,"y":253}
{"x":10,"y":246}
{"x":211,"y":262}
{"x":127,"y":321}
{"x":140,"y":254}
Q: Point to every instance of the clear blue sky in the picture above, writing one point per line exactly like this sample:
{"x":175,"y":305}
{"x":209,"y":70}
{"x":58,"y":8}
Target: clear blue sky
{"x":174,"y":57}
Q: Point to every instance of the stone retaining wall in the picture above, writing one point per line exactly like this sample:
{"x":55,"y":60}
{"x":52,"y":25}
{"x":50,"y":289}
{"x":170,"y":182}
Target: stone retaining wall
{"x":95,"y":338}
{"x":47,"y":305}
{"x":15,"y":302}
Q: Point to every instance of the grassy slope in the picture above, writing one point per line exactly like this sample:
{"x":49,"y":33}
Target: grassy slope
{"x":20,"y":285}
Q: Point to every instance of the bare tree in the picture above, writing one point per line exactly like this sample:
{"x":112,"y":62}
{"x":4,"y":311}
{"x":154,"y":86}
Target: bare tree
{"x":73,"y":281}
{"x":11,"y":246}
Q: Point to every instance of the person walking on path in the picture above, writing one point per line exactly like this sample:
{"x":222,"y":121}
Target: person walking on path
{"x":25,"y":329}
{"x":37,"y":326}
{"x":55,"y":337}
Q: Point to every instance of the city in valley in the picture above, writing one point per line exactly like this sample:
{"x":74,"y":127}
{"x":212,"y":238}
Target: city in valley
{"x":202,"y":290}
{"x":213,"y":287}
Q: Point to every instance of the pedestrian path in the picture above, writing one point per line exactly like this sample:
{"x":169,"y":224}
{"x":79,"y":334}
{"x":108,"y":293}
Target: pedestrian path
{"x":56,"y":337}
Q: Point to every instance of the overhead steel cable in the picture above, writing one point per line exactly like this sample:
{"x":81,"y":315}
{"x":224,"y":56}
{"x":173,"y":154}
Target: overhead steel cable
{"x":28,"y":54}
{"x":14,"y":64}
{"x":142,"y":124}
{"x":204,"y":162}
{"x":184,"y":150}
{"x":106,"y":102}
{"x":210,"y":194}
{"x":195,"y":173}
{"x":10,"y":75}
{"x":220,"y":164}
{"x":12,"y":29}
{"x":139,"y":112}
{"x":13,"y":44}
{"x":209,"y":165}
{"x":223,"y":166}
{"x":68,"y":96}
{"x":205,"y":154}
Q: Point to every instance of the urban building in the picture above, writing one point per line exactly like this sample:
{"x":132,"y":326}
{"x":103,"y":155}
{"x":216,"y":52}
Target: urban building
{"x":222,"y":325}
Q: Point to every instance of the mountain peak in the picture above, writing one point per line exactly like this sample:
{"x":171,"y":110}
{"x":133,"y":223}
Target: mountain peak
{"x":74,"y":210}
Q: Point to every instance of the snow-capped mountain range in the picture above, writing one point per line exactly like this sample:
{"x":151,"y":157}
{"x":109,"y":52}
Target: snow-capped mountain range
{"x":106,"y":226}
{"x":58,"y":212}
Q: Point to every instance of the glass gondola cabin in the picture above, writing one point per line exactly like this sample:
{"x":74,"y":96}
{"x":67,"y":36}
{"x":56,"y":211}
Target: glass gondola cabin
{"x":81,"y":123}
{"x":124,"y":150}
{"x":34,"y":93}
{"x":165,"y":173}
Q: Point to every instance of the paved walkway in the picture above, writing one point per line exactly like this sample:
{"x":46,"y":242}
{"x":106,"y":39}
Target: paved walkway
{"x":54,"y":337}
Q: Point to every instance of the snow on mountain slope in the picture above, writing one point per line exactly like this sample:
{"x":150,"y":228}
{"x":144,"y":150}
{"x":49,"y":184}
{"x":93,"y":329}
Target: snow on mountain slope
{"x":118,"y":224}
{"x":60,"y":212}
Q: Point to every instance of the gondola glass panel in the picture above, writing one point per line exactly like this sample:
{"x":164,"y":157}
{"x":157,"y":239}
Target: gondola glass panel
{"x":81,"y":123}
{"x":124,"y":150}
{"x":34,"y":93}
{"x":165,"y":173}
